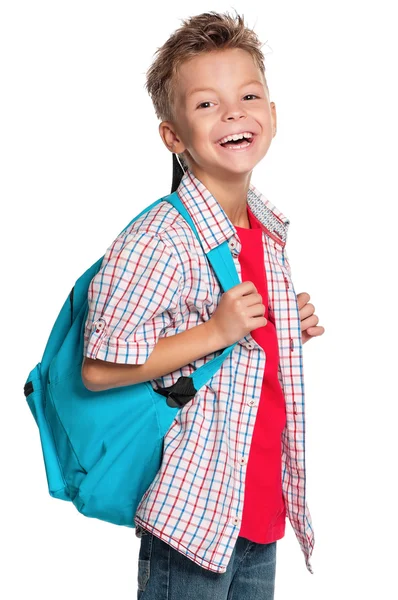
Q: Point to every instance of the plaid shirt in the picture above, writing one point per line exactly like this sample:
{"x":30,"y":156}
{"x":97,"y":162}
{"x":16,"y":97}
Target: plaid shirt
{"x":155,"y":281}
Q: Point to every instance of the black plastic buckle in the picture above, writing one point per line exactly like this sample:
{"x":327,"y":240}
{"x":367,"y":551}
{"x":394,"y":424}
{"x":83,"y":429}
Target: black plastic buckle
{"x":176,"y":401}
{"x":178,"y":394}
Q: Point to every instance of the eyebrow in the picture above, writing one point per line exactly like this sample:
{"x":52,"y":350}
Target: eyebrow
{"x":194,"y":90}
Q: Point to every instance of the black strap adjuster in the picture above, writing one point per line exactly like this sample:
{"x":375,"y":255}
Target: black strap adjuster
{"x":179,"y":393}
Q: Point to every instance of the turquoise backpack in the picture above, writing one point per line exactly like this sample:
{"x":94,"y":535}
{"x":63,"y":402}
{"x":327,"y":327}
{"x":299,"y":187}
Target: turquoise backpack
{"x":102,"y":450}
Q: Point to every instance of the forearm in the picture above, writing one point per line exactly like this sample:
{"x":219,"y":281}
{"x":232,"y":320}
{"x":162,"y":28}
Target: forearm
{"x":170,"y":353}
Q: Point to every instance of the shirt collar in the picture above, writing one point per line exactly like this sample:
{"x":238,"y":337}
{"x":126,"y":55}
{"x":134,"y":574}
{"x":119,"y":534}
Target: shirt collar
{"x":211,"y":221}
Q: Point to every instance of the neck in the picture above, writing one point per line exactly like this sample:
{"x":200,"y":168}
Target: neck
{"x":230,"y":192}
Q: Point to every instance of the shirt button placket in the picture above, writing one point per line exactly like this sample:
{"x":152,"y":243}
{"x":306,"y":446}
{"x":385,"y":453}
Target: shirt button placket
{"x":249,"y":345}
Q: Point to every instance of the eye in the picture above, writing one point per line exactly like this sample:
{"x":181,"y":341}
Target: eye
{"x":201,"y":104}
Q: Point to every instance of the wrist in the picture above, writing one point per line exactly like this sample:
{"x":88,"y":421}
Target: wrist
{"x":217,"y":341}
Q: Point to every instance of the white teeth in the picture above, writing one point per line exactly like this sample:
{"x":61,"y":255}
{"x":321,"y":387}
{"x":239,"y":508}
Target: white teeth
{"x":236,"y":136}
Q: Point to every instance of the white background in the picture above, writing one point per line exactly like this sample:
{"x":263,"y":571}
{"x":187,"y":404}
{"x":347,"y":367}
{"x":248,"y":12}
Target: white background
{"x":81,"y":156}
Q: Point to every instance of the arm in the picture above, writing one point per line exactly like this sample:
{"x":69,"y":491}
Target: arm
{"x":169,"y":354}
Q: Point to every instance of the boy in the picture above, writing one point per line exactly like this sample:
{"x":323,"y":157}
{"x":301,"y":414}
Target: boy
{"x":233,"y":459}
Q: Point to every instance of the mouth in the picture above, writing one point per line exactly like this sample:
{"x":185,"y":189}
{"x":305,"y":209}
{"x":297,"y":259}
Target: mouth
{"x":242,"y":146}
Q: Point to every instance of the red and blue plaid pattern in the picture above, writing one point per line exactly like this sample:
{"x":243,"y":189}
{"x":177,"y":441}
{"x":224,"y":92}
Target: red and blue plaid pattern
{"x":155,"y":281}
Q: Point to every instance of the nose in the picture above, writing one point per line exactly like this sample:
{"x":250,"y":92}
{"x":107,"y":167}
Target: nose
{"x":234,"y":111}
{"x":236,"y":115}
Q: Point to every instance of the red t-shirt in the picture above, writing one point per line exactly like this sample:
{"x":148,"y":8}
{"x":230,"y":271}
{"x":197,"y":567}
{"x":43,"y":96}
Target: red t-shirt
{"x":264,"y":512}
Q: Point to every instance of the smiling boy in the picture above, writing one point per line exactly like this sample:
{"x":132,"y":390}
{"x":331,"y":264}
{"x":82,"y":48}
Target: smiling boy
{"x":224,"y":169}
{"x":233,"y":462}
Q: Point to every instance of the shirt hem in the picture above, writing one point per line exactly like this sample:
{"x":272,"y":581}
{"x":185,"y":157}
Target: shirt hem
{"x":209,"y":566}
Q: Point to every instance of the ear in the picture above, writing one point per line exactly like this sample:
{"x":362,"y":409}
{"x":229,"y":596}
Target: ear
{"x":170,"y":137}
{"x":273,"y":116}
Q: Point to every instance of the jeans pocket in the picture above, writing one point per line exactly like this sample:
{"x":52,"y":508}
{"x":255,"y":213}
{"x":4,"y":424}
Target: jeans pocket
{"x":144,"y":561}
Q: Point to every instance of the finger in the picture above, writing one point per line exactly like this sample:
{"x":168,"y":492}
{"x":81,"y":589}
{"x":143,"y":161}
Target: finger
{"x":307,"y":311}
{"x":314,"y":331}
{"x":309,"y":322}
{"x":302,"y":299}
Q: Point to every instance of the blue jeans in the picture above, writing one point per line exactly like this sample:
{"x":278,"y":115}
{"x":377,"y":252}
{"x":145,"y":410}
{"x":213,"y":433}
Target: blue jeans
{"x":166,"y":574}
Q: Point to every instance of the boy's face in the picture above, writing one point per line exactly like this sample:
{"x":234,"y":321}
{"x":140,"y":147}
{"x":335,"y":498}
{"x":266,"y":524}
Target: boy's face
{"x":237,"y":102}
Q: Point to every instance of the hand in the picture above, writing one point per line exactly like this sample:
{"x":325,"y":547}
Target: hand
{"x":309,"y":320}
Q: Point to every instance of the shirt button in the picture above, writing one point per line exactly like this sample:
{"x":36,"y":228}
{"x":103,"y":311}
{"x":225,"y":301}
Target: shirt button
{"x":249,"y":345}
{"x":235,"y":521}
{"x":243,"y":460}
{"x":251,"y":402}
{"x":99,"y":324}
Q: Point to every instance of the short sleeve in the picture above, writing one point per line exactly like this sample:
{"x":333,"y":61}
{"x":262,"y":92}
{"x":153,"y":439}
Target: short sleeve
{"x":131,"y":299}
